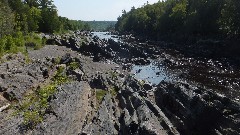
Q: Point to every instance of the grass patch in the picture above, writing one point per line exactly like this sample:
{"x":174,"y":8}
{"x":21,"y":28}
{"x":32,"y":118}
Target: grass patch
{"x":73,"y":65}
{"x":100,"y":94}
{"x":114,"y":91}
{"x":34,"y":106}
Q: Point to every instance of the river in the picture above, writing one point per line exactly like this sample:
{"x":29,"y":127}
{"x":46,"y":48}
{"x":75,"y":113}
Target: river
{"x":217,"y":75}
{"x":154,"y":73}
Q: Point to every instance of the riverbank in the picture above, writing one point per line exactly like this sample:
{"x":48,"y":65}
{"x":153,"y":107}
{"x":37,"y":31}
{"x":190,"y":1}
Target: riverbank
{"x":104,"y":92}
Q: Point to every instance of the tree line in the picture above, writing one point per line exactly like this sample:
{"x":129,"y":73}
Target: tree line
{"x":101,"y":25}
{"x":183,"y":18}
{"x":34,"y":16}
{"x":20,"y":20}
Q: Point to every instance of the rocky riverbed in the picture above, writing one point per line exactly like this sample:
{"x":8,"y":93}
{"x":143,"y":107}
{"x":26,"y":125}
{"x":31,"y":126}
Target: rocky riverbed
{"x":106,"y":92}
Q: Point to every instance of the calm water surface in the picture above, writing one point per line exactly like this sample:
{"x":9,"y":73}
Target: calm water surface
{"x":154,"y":73}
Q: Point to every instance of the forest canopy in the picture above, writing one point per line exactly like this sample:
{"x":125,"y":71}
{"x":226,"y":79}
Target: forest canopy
{"x":20,"y":20}
{"x":34,"y":16}
{"x":101,"y":25}
{"x":204,"y":18}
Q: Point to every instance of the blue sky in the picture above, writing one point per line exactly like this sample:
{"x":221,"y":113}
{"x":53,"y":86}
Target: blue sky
{"x":99,"y":10}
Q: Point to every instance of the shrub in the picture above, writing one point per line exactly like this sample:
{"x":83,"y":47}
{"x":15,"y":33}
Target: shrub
{"x":10,"y":44}
{"x":3,"y":42}
{"x":60,"y":76}
{"x":34,"y":41}
{"x":74,"y":65}
{"x":19,"y":39}
{"x":16,"y":43}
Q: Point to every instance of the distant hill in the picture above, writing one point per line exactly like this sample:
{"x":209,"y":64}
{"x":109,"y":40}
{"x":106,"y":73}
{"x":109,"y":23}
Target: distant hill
{"x":101,"y":25}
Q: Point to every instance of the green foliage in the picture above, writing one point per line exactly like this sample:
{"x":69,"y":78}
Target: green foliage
{"x":17,"y":42}
{"x":230,"y":18}
{"x":60,"y":76}
{"x":67,"y":24}
{"x":10,"y":44}
{"x":50,"y":22}
{"x":183,"y":18}
{"x":38,"y":15}
{"x":57,"y":60}
{"x":34,"y":41}
{"x":100,"y":25}
{"x":114,"y":91}
{"x":73,"y":65}
{"x":19,"y":19}
{"x":35,"y":105}
{"x":32,"y":118}
{"x":6,"y":19}
{"x":100,"y":94}
{"x":34,"y":18}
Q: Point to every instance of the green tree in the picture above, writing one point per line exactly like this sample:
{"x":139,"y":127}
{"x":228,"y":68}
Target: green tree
{"x":34,"y":18}
{"x":21,"y":12}
{"x":230,"y":18}
{"x":6,"y":19}
{"x":178,"y":16}
{"x":50,"y":20}
{"x":32,"y":3}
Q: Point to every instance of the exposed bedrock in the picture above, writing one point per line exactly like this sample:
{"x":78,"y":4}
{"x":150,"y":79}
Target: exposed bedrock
{"x":129,"y":113}
{"x":102,"y":97}
{"x":194,"y":110}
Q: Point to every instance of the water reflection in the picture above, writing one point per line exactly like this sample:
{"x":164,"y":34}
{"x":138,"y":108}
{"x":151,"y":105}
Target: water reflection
{"x":153,"y":73}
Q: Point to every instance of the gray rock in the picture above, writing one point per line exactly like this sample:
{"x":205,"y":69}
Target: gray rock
{"x":69,"y":110}
{"x":66,"y":59}
{"x":78,"y":73}
{"x":193,"y":113}
{"x":106,"y":119}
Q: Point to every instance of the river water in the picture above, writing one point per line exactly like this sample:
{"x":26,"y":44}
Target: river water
{"x":153,"y":73}
{"x":105,"y":35}
{"x":219,"y":76}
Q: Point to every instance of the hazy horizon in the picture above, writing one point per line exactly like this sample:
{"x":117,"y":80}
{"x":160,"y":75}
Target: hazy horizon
{"x":90,"y":10}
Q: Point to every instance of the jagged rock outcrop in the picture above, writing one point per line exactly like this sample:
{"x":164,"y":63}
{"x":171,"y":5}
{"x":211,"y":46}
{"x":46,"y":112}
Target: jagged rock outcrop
{"x":129,"y":113}
{"x":70,"y":108}
{"x":102,"y":97}
{"x":17,"y":77}
{"x":194,"y":110}
{"x":105,"y":121}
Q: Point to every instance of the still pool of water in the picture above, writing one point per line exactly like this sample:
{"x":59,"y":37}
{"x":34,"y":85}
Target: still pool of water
{"x":154,"y":73}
